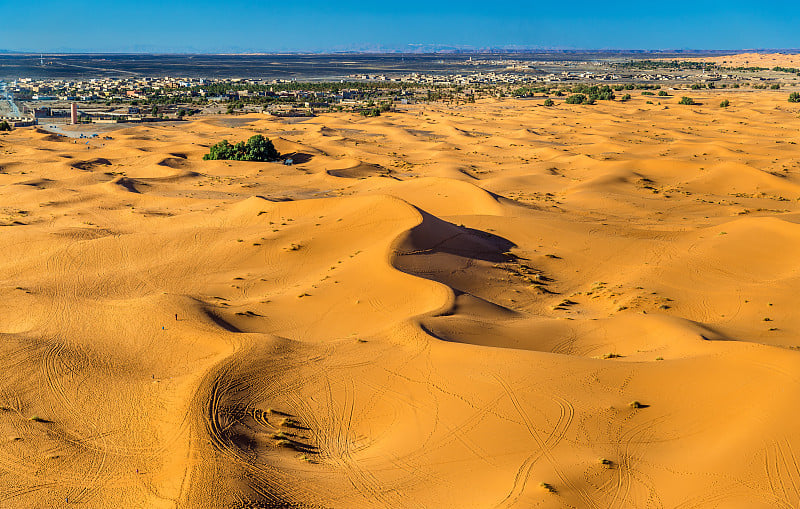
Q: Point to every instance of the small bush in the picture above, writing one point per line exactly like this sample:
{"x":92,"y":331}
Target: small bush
{"x":647,"y":93}
{"x":5,"y":126}
{"x":576,"y":99}
{"x":663,"y":93}
{"x":686,"y":100}
{"x":775,"y":87}
{"x":626,"y":97}
{"x":725,"y":103}
{"x":547,"y":487}
{"x":548,"y":102}
{"x":794,"y":97}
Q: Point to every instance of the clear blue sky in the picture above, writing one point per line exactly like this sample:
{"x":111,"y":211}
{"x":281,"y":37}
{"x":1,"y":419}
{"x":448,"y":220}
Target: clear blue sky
{"x":319,"y":25}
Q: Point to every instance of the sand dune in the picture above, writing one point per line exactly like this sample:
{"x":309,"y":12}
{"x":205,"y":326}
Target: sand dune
{"x":488,"y":305}
{"x":753,"y":60}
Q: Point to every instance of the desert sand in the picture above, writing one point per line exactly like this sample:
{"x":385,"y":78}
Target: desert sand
{"x":768,"y":60}
{"x":498,"y":304}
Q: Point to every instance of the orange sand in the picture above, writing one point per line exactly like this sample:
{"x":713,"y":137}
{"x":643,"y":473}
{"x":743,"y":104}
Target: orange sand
{"x":455,"y":308}
{"x":768,"y":60}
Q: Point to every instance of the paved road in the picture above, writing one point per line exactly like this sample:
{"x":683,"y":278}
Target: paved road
{"x":6,"y":96}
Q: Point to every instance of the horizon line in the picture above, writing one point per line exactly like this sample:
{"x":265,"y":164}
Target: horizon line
{"x":411,"y":52}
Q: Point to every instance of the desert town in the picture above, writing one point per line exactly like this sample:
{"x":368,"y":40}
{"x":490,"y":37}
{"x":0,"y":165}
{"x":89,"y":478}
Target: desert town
{"x":30,"y":101}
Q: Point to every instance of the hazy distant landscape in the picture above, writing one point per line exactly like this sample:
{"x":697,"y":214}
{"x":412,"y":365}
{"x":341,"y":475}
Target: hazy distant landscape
{"x":280,"y":66}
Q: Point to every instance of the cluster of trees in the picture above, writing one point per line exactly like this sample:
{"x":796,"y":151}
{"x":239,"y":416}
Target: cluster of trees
{"x":792,"y":70}
{"x":636,"y":86}
{"x":579,"y":99}
{"x":664,"y":64}
{"x":794,"y":97}
{"x":594,"y":92}
{"x":375,"y":111}
{"x":529,"y":91}
{"x":257,"y":148}
{"x":777,"y":68}
{"x":5,"y":126}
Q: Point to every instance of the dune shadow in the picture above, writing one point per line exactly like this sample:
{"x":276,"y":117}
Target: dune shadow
{"x":298,"y":157}
{"x":90,"y":164}
{"x":221,"y":322}
{"x":437,"y":236}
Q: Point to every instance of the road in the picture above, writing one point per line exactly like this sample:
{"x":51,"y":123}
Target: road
{"x":6,"y":96}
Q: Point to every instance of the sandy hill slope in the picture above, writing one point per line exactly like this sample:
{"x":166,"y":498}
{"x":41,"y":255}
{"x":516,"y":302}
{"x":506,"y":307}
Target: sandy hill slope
{"x":490,"y":305}
{"x":769,"y":60}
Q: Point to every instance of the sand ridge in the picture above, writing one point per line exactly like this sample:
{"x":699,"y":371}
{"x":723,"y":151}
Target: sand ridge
{"x":446,"y":306}
{"x":768,"y":60}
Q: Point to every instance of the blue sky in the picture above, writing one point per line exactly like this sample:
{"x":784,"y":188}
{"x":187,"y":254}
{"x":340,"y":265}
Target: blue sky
{"x":315,"y":25}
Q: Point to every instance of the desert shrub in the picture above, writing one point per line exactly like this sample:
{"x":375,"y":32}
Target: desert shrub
{"x":626,"y":97}
{"x":794,"y":97}
{"x":529,"y":91}
{"x":548,"y":102}
{"x":257,"y":148}
{"x":5,"y":126}
{"x":576,"y":99}
{"x":775,"y":87}
{"x":725,"y":103}
{"x":647,"y":93}
{"x":663,"y":93}
{"x":547,"y":487}
{"x":686,"y":100}
{"x":594,"y":92}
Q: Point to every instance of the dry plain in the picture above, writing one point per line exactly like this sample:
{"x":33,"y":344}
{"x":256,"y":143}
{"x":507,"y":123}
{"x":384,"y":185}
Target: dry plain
{"x":445,"y":306}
